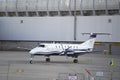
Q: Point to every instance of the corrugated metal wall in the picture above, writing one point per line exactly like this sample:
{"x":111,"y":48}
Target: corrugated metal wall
{"x":18,"y":7}
{"x":51,"y":5}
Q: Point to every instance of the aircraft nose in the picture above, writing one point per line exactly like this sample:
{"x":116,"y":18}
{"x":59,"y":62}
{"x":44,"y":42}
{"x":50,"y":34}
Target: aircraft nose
{"x":35,"y":50}
{"x":31,"y":51}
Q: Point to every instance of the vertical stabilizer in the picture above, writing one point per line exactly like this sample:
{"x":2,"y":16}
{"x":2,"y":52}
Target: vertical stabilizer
{"x":89,"y":44}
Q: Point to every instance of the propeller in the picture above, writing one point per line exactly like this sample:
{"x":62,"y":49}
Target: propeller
{"x":65,"y":51}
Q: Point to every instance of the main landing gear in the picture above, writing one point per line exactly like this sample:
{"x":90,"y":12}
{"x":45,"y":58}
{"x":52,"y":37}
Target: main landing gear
{"x":31,"y":61}
{"x":47,"y":59}
{"x":75,"y":60}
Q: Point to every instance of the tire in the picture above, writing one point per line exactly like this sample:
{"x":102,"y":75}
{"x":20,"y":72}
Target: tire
{"x":75,"y":61}
{"x":31,"y":61}
{"x":47,"y":59}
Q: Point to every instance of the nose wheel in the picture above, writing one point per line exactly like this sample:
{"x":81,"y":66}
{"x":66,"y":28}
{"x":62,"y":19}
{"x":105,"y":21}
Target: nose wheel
{"x":31,"y":58}
{"x":31,"y":61}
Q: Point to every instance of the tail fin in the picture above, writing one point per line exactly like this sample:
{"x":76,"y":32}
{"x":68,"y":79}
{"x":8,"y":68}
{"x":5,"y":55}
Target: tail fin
{"x":89,"y":44}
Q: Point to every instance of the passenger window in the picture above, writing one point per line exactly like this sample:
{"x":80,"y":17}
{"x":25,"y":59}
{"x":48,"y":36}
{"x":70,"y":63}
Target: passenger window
{"x":77,"y":47}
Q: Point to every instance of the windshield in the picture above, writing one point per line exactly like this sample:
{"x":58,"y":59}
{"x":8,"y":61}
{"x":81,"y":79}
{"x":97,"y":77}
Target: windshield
{"x":41,"y":45}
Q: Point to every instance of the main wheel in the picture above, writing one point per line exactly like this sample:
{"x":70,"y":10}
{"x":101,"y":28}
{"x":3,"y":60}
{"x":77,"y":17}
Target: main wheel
{"x":75,"y":61}
{"x":47,"y":59}
{"x":31,"y":61}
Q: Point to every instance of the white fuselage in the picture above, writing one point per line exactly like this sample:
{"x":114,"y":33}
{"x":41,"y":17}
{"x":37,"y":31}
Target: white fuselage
{"x":70,"y":50}
{"x":57,"y":48}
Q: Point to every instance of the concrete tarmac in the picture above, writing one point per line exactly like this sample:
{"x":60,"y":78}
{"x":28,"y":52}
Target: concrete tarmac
{"x":14,"y":65}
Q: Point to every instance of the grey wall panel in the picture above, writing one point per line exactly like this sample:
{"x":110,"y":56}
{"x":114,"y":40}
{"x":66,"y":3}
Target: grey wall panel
{"x":31,"y":5}
{"x":42,"y":5}
{"x":11,"y":5}
{"x":113,"y":4}
{"x":115,"y":28}
{"x":36,"y":28}
{"x":59,"y":28}
{"x":53,"y":5}
{"x":2,"y":5}
{"x":100,"y":4}
{"x":87,"y":4}
{"x":99,"y":24}
{"x":64,"y":5}
{"x":21,"y":5}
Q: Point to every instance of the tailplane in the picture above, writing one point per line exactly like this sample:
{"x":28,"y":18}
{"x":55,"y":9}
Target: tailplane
{"x":89,"y":44}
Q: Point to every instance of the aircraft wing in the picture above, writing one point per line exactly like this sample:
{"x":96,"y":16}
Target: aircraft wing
{"x":79,"y":51}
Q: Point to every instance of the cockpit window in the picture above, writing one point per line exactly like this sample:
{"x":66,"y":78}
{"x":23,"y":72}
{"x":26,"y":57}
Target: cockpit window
{"x":41,"y":45}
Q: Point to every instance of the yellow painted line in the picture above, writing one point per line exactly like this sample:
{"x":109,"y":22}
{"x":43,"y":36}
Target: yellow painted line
{"x":98,"y":43}
{"x":116,"y":44}
{"x":112,"y":43}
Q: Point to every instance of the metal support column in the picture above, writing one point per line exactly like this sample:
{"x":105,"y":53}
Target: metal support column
{"x":106,"y":11}
{"x":0,"y":45}
{"x":26,"y":7}
{"x":107,"y":48}
{"x":59,"y":7}
{"x":6,"y":8}
{"x":16,"y":8}
{"x":93,"y":7}
{"x":70,"y":7}
{"x":37,"y":8}
{"x":119,"y":7}
{"x":81,"y":8}
{"x":110,"y":49}
{"x":75,"y":21}
{"x":47,"y":7}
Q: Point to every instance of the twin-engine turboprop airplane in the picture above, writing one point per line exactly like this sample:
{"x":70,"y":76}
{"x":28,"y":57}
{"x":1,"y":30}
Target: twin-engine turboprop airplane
{"x":69,"y":50}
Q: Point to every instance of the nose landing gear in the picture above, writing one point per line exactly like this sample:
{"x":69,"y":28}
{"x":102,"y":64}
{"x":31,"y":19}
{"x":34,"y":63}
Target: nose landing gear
{"x":31,"y":58}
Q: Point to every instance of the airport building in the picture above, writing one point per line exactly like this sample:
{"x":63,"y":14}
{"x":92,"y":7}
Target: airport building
{"x":58,"y":20}
{"x":27,"y":23}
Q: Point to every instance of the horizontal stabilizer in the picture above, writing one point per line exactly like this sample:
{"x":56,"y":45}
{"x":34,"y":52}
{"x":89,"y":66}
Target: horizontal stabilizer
{"x":96,"y":33}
